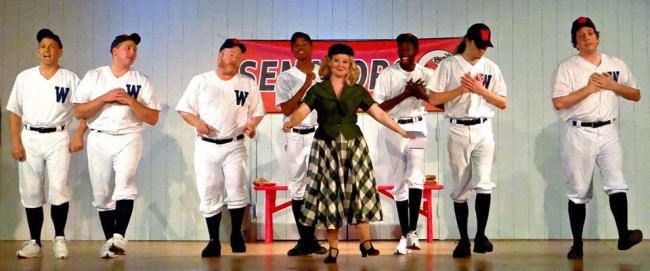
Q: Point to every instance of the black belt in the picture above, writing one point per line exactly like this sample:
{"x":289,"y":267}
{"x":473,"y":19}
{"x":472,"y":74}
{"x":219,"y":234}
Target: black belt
{"x":304,"y":131}
{"x":409,"y":120}
{"x":45,"y":130}
{"x":222,"y":141}
{"x":594,"y":124}
{"x":468,"y":122}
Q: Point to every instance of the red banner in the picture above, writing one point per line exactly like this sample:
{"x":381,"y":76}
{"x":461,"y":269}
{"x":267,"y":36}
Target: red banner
{"x":265,"y":60}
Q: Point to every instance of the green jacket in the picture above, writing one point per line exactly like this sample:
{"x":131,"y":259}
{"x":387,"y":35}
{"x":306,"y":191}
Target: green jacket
{"x":337,"y":116}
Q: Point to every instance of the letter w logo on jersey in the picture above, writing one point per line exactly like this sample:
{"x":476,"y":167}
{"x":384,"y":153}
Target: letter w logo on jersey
{"x":133,"y":90}
{"x":61,"y":94}
{"x":486,"y":80}
{"x":614,"y":75}
{"x":241,"y":96}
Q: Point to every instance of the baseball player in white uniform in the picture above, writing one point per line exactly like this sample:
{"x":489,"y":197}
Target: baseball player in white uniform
{"x":223,"y":106}
{"x":471,"y":87}
{"x":39,"y":120}
{"x":400,"y":92}
{"x":116,"y":100}
{"x":586,"y":88}
{"x":290,"y":88}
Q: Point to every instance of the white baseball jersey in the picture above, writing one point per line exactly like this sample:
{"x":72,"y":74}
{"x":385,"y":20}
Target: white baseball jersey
{"x":297,"y":145}
{"x":43,"y":102}
{"x":288,"y":83}
{"x":396,"y":163}
{"x":224,"y":105}
{"x":573,"y":74}
{"x":585,"y":148}
{"x":116,"y":118}
{"x":391,"y":82}
{"x":469,"y":105}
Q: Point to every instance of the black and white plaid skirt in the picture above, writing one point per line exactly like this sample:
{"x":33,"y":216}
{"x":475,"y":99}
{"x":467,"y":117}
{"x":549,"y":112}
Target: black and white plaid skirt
{"x":341,"y":184}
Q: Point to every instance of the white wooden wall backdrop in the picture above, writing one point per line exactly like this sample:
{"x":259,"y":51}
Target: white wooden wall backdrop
{"x":181,"y":38}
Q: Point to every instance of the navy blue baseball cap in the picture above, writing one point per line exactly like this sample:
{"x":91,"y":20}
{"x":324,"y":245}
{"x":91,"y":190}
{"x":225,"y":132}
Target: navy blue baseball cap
{"x":480,"y":34}
{"x":230,"y":43}
{"x":124,"y":37}
{"x":46,"y":33}
{"x":580,"y":23}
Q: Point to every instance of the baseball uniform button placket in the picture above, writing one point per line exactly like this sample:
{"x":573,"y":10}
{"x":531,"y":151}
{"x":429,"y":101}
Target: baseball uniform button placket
{"x":222,"y":141}
{"x":409,"y":120}
{"x":594,"y":124}
{"x":468,"y":122}
{"x":44,"y":130}
{"x":304,"y":131}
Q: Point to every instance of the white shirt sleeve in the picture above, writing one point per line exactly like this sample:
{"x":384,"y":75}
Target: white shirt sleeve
{"x":188,"y":102}
{"x":499,"y":86}
{"x":257,"y":106}
{"x":83,"y":93}
{"x":149,"y":96}
{"x":561,"y":81}
{"x":440,"y":77}
{"x":382,"y":87}
{"x":283,"y":89}
{"x":626,"y":78}
{"x":15,"y":104}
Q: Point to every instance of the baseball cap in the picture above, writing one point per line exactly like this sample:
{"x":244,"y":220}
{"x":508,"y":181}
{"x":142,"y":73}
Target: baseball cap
{"x":297,"y":35}
{"x":340,"y":48}
{"x":46,"y":33}
{"x":124,"y":37}
{"x":230,"y":43}
{"x":408,"y":37}
{"x":580,"y":23}
{"x":480,"y":34}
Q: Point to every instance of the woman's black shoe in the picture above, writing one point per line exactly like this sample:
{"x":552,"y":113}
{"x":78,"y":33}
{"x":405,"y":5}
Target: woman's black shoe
{"x":330,"y":258}
{"x":365,"y":252}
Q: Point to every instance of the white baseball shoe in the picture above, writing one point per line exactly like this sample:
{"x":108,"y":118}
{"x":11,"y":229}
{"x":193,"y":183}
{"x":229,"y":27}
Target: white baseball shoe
{"x":30,"y":250}
{"x":59,"y":247}
{"x":413,"y":242}
{"x":119,"y":244}
{"x":105,"y":252}
{"x":401,"y":247}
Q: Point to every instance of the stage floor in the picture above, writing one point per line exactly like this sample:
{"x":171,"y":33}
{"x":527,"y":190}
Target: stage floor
{"x":174,"y":255}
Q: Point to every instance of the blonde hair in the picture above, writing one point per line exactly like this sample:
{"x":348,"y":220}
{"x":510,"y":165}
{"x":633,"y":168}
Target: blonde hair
{"x":325,"y":71}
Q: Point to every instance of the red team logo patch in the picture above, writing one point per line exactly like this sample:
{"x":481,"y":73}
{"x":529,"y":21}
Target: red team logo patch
{"x":485,"y":34}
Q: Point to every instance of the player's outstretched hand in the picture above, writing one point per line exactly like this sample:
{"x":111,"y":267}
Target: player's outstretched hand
{"x":417,"y":89}
{"x":124,"y":98}
{"x":112,"y":95}
{"x":249,"y":130}
{"x":408,"y":135}
{"x":76,"y":144}
{"x":593,"y":84}
{"x":605,"y":81}
{"x":202,"y":128}
{"x":18,"y":152}
{"x":286,"y":127}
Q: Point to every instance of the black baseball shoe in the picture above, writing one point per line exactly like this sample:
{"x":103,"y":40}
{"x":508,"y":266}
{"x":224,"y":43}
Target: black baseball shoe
{"x":237,"y":243}
{"x":575,"y":253}
{"x":315,"y":247}
{"x":633,"y":237}
{"x":298,"y":250}
{"x":213,"y":249}
{"x":462,"y":250}
{"x":482,"y":244}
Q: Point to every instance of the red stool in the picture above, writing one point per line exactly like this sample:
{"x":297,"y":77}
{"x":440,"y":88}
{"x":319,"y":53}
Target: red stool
{"x":427,"y":199}
{"x":270,"y":208}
